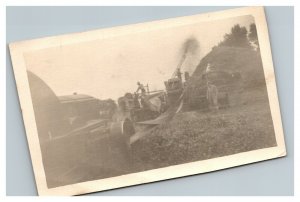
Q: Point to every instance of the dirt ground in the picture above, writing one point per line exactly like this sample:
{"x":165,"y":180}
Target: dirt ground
{"x":197,"y":135}
{"x":190,"y":136}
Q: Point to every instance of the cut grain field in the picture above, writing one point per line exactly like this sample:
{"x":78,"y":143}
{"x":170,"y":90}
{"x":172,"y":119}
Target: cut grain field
{"x":197,"y":135}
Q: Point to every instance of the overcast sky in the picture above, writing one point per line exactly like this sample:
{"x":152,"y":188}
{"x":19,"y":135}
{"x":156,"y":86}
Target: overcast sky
{"x":109,"y":68}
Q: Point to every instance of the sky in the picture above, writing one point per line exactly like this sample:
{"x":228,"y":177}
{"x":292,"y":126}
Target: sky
{"x":111,"y":67}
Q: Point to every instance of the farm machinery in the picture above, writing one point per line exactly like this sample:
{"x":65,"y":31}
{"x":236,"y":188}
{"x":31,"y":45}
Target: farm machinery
{"x":76,"y":130}
{"x":180,"y":94}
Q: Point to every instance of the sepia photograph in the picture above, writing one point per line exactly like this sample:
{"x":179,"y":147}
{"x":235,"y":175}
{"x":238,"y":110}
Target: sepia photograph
{"x":140,"y":103}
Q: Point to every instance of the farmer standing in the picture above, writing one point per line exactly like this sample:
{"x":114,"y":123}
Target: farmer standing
{"x":212,"y":96}
{"x":141,"y":88}
{"x":143,"y":94}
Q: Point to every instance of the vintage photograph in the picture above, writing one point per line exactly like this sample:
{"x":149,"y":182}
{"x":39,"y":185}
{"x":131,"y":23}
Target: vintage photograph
{"x":111,"y":103}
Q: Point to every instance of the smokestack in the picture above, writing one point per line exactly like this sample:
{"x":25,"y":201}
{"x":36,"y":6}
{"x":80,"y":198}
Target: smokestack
{"x":181,"y":61}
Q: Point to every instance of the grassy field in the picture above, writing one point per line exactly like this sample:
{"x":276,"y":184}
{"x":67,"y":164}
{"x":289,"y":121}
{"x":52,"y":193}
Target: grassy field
{"x":196,"y":135}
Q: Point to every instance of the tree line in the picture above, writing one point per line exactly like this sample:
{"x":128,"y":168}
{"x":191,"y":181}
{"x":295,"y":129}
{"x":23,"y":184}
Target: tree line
{"x":241,"y":37}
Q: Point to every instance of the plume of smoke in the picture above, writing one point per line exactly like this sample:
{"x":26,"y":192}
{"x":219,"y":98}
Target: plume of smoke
{"x":190,"y":52}
{"x":190,"y":46}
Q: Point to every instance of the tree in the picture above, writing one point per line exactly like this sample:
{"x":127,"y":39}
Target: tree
{"x":253,"y":35}
{"x":237,"y":37}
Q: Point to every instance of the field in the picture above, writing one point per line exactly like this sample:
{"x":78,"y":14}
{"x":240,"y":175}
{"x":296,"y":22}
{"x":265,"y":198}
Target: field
{"x":188,"y":137}
{"x":197,"y":135}
{"x":191,"y":135}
